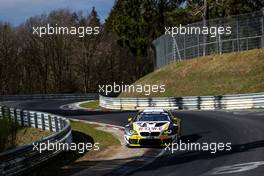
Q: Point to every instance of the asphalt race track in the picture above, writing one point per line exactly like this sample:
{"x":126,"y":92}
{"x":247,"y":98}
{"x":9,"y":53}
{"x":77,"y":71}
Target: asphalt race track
{"x":245,"y":130}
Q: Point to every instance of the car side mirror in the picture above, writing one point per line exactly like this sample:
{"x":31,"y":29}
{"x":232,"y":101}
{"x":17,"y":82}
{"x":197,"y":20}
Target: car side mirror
{"x":129,"y":119}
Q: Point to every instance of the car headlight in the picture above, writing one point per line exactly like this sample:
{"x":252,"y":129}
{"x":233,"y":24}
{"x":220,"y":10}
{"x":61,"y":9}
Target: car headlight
{"x":168,"y":132}
{"x":131,"y":132}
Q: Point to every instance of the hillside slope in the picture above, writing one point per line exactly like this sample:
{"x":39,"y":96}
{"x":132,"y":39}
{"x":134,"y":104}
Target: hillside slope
{"x":211,"y":75}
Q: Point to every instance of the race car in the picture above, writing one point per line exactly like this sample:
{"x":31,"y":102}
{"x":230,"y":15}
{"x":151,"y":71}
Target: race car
{"x":152,"y":127}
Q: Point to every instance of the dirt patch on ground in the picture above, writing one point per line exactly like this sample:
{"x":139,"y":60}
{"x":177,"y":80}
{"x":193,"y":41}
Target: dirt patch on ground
{"x":104,"y":154}
{"x":103,"y":161}
{"x":111,"y":158}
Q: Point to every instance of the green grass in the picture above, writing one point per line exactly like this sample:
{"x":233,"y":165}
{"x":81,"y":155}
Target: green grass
{"x":12,"y":135}
{"x":211,"y":75}
{"x":29,"y":135}
{"x":71,"y":162}
{"x":91,"y":104}
{"x":103,"y":138}
{"x":8,"y":131}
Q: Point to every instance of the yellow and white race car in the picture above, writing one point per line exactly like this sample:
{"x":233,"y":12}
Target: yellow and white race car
{"x":152,"y":127}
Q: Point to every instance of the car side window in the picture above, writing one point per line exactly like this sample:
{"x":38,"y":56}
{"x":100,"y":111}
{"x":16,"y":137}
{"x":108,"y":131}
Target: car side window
{"x":135,"y":118}
{"x":170,"y":116}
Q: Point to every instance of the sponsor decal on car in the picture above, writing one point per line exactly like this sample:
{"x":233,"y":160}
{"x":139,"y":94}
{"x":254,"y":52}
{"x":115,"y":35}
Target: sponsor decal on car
{"x":149,"y":129}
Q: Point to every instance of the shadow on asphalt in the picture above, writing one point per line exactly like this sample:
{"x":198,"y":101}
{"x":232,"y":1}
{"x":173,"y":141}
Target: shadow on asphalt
{"x":163,"y":161}
{"x":55,"y":165}
{"x":190,"y":156}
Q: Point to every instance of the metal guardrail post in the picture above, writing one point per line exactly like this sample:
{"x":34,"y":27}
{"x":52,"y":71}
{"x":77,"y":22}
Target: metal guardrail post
{"x":22,"y":117}
{"x":36,"y":120}
{"x":199,"y":100}
{"x":50,"y":123}
{"x":56,"y":123}
{"x":237,"y":35}
{"x":1,"y":111}
{"x":11,"y":113}
{"x":8,"y":113}
{"x":15,"y":115}
{"x":61,"y":123}
{"x":43,"y":121}
{"x":262,"y":27}
{"x":28,"y":118}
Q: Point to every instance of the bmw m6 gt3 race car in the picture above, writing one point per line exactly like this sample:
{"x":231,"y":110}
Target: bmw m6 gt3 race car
{"x":152,"y":127}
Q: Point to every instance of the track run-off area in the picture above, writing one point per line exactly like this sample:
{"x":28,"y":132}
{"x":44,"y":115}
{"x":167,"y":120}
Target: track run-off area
{"x":243,"y":129}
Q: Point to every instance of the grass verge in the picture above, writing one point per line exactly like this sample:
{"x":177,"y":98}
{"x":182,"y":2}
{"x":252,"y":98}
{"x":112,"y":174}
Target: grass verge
{"x":91,"y":104}
{"x":103,"y":138}
{"x":29,"y":135}
{"x":72,"y":162}
{"x":231,"y":73}
{"x":12,"y":135}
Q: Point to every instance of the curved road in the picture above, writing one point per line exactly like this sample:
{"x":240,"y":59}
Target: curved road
{"x":245,"y":130}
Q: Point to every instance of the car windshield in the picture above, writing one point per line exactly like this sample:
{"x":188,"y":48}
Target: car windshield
{"x":152,"y":117}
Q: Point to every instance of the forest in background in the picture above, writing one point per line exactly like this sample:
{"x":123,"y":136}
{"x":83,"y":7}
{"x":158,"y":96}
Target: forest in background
{"x":122,"y":52}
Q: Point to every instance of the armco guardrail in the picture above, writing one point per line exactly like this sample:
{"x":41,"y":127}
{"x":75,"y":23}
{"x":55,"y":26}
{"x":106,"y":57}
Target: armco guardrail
{"x":237,"y":101}
{"x":48,"y":96}
{"x":24,"y":158}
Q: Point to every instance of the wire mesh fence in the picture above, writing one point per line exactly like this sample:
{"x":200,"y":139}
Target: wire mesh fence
{"x":247,"y":32}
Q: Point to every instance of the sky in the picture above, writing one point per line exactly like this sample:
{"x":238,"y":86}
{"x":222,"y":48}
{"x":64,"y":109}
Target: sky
{"x":17,"y":11}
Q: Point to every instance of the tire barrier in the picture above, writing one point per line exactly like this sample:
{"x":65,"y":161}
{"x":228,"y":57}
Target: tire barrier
{"x":24,"y":158}
{"x":236,"y":101}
